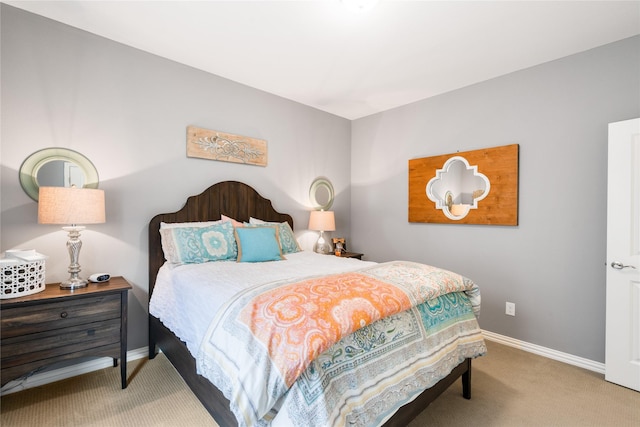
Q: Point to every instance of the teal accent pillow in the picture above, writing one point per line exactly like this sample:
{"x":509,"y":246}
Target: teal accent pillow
{"x":258,"y":244}
{"x":288,"y":241}
{"x":191,"y":245}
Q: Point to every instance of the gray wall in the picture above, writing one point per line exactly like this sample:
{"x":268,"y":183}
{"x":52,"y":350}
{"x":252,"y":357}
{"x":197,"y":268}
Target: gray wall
{"x":127,"y":111}
{"x":552,"y":265}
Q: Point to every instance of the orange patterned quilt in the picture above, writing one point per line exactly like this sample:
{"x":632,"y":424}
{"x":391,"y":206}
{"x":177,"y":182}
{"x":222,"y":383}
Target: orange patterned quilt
{"x":299,"y":321}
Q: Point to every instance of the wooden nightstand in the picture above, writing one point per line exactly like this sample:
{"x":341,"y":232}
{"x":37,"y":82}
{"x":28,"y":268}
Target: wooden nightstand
{"x":58,"y":324}
{"x":350,"y":255}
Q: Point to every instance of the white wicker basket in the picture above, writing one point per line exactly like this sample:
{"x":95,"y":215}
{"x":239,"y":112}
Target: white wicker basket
{"x":22,"y":277}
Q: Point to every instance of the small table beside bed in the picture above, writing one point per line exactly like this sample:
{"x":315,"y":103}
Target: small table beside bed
{"x":267,"y":334}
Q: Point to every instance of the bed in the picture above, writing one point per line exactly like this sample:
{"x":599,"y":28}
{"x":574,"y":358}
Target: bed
{"x":242,"y":203}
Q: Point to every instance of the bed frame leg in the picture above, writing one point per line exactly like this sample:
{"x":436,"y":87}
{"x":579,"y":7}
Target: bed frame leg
{"x":466,"y":381}
{"x":152,"y":343}
{"x":152,"y":351}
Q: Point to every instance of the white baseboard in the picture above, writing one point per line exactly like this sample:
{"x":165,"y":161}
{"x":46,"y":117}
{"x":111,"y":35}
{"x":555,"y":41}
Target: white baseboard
{"x":546,"y":352}
{"x":46,"y":377}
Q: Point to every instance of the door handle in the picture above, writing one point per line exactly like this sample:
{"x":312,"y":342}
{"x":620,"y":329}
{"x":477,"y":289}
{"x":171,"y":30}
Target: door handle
{"x":619,"y":266}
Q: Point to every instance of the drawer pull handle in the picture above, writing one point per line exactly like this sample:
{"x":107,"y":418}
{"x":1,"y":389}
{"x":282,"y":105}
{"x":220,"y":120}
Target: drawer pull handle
{"x":64,"y":314}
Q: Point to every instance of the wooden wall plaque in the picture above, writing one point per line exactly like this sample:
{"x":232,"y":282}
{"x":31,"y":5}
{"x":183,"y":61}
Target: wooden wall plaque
{"x":226,"y":147}
{"x":499,"y":206}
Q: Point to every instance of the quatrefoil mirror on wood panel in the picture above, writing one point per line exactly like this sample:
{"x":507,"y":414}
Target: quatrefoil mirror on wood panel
{"x":473,"y":187}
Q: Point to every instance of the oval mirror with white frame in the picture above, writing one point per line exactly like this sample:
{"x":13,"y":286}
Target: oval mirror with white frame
{"x":457,"y":188}
{"x":56,"y":167}
{"x":321,"y":194}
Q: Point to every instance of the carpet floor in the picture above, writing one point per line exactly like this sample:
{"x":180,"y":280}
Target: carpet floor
{"x":510,"y":387}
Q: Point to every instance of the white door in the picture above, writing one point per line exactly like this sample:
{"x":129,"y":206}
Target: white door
{"x":73,"y":175}
{"x":622,"y":350}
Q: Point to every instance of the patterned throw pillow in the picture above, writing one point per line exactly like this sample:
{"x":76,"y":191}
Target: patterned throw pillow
{"x":288,"y":241}
{"x":190,"y":245}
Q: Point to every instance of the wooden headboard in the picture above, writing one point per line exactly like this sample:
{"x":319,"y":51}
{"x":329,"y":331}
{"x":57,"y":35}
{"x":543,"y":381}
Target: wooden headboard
{"x":231,"y":198}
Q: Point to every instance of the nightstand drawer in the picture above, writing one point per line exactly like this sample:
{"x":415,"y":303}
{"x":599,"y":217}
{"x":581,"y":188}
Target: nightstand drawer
{"x":57,"y":315}
{"x":24,"y":349}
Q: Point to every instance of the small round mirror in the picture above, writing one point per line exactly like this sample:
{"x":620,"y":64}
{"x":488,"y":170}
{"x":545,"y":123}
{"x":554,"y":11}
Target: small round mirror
{"x":56,"y":167}
{"x":321,"y":194}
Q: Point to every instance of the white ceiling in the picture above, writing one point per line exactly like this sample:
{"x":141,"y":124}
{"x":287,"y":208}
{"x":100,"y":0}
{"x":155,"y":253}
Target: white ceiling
{"x":322,"y":54}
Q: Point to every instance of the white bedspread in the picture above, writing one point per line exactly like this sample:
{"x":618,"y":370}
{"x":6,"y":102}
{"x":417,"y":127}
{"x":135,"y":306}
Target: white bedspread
{"x":218,"y":281}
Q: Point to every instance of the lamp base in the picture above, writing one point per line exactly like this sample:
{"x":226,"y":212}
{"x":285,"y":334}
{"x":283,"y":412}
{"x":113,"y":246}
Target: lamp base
{"x":73,"y":283}
{"x":74,"y":244}
{"x":322,"y":249}
{"x":322,"y":246}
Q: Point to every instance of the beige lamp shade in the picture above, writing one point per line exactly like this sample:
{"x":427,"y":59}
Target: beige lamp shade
{"x":322,"y":221}
{"x":64,"y":205}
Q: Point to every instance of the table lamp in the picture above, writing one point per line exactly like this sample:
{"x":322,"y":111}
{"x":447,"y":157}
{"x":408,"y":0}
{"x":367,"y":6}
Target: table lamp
{"x":322,"y":221}
{"x":71,"y":206}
